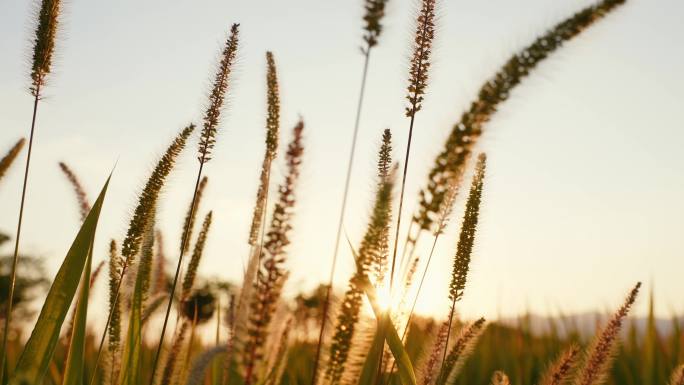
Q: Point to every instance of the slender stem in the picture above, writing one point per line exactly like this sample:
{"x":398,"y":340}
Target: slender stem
{"x":109,"y":320}
{"x":340,"y":224}
{"x":175,"y":277}
{"x":15,"y":258}
{"x":415,"y":300}
{"x":451,"y":317}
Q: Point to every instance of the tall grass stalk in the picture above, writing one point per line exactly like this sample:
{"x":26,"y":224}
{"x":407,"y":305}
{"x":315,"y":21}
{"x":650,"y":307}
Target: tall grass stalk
{"x":206,"y":144}
{"x":375,"y":10}
{"x":142,"y":215}
{"x":81,"y":196}
{"x":11,"y":155}
{"x":43,"y":49}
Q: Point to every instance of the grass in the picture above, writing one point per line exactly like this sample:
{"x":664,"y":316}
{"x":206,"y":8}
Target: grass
{"x":264,"y":338}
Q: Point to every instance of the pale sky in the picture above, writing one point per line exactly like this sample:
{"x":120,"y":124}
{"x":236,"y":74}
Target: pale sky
{"x":585,"y":181}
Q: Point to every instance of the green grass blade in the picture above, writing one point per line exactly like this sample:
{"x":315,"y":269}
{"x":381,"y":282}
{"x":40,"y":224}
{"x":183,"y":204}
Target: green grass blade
{"x":34,"y":360}
{"x":73,"y":374}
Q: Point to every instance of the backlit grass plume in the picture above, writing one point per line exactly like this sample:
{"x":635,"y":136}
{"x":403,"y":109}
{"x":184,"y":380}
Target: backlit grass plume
{"x":189,"y":278}
{"x":375,"y":10}
{"x":495,"y":91}
{"x":559,"y":372}
{"x":41,"y":63}
{"x":206,"y":144}
{"x":429,"y":369}
{"x":460,"y":351}
{"x":272,"y":133}
{"x":418,"y":77}
{"x":602,"y":350}
{"x":272,"y":274}
{"x":217,"y":96}
{"x":142,"y":215}
{"x":114,"y":329}
{"x":677,"y":376}
{"x":371,"y":260}
{"x":44,"y":43}
{"x":174,"y":353}
{"x":191,"y":215}
{"x":11,"y":155}
{"x":81,"y":196}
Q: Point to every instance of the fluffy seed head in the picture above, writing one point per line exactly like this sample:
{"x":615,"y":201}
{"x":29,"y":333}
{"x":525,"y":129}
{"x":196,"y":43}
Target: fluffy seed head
{"x":273,"y":101}
{"x":148,"y":198}
{"x":495,"y":91}
{"x":44,"y":43}
{"x":467,"y":236}
{"x":115,"y":264}
{"x":600,"y":354}
{"x":11,"y":155}
{"x":559,"y":372}
{"x":81,"y":197}
{"x":420,"y":60}
{"x":462,"y":349}
{"x":189,"y":279}
{"x":375,"y":10}
{"x":217,"y":96}
{"x":191,"y":215}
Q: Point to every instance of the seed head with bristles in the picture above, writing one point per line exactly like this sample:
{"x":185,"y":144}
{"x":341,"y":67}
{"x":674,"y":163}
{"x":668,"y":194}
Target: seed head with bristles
{"x":44,"y":43}
{"x":148,"y":198}
{"x":459,"y":353}
{"x":11,"y":155}
{"x":420,"y":60}
{"x":191,"y":214}
{"x":272,"y":134}
{"x":81,"y":197}
{"x":560,"y":370}
{"x":189,"y":279}
{"x":677,"y":376}
{"x":429,"y":369}
{"x":495,"y":91}
{"x":375,"y":10}
{"x":372,"y":257}
{"x":467,"y":235}
{"x":272,"y":274}
{"x":159,"y":280}
{"x":600,"y":354}
{"x":114,"y":330}
{"x":217,"y":96}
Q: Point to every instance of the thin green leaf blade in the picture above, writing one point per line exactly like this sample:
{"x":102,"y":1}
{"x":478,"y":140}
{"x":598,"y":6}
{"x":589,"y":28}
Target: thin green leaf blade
{"x":73,"y":374}
{"x":370,"y":366}
{"x":34,"y":360}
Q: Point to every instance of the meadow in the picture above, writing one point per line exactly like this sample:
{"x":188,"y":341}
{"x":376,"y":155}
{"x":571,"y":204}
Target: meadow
{"x":166,"y":324}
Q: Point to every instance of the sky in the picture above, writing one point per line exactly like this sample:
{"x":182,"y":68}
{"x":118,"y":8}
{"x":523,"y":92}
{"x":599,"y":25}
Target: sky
{"x":585,"y":178}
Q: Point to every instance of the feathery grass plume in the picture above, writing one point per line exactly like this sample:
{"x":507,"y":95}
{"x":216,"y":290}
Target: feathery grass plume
{"x":272,"y":274}
{"x":44,"y":43}
{"x":418,"y":76}
{"x":142,"y":216}
{"x":43,"y":47}
{"x":190,"y":275}
{"x":81,"y":196}
{"x":276,"y":366}
{"x":272,"y":133}
{"x":600,"y":354}
{"x":114,"y":330}
{"x":677,"y":376}
{"x":559,"y":372}
{"x":371,"y":257}
{"x":174,"y":353}
{"x":500,"y":378}
{"x":148,"y":198}
{"x":217,"y":96}
{"x":191,"y":215}
{"x":459,"y":353}
{"x":152,"y":305}
{"x":464,"y":248}
{"x":375,"y":10}
{"x":495,"y":91}
{"x":420,"y":60}
{"x":96,"y":273}
{"x":159,"y":280}
{"x":206,"y":144}
{"x":429,"y":369}
{"x":11,"y":155}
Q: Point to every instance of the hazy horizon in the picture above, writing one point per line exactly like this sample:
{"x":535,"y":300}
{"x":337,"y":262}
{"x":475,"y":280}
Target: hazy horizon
{"x":583,"y":195}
